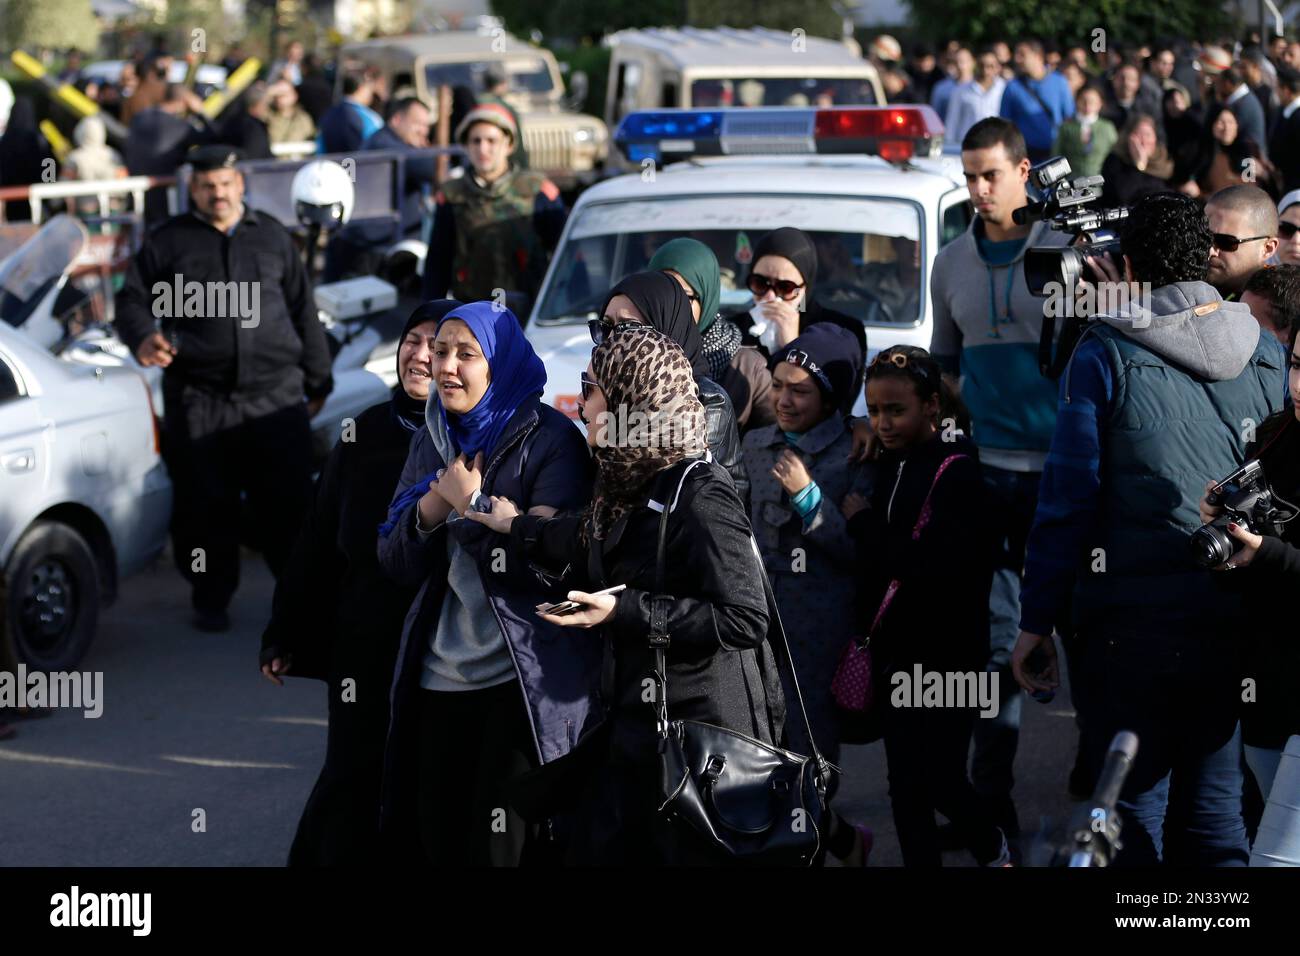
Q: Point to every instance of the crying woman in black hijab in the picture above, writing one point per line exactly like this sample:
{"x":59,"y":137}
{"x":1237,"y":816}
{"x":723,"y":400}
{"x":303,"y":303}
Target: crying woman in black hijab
{"x":415,"y":362}
{"x":337,"y":616}
{"x":658,"y":300}
{"x":783,"y":279}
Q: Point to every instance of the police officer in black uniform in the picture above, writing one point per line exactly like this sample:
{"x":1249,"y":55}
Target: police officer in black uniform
{"x":219,"y":298}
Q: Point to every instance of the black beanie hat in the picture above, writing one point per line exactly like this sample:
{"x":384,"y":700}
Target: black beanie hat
{"x":832,"y":355}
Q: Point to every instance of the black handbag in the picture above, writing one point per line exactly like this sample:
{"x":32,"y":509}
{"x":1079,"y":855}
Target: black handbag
{"x":749,"y":800}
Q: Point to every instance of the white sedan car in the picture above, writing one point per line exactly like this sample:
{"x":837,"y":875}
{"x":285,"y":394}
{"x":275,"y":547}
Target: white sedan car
{"x":85,"y":497}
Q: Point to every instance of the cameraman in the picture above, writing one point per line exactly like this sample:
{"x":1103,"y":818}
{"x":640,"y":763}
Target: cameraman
{"x":1152,"y":400}
{"x":1271,"y":655}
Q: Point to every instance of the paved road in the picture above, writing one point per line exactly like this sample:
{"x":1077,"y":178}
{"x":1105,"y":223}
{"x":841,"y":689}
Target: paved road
{"x":189,"y":724}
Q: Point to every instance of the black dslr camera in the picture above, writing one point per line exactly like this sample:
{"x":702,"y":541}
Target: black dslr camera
{"x":1063,"y":205}
{"x":1247,"y":501}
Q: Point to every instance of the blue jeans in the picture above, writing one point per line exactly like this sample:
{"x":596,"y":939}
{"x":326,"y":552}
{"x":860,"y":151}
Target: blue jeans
{"x":1011,"y":498}
{"x":1181,"y":804}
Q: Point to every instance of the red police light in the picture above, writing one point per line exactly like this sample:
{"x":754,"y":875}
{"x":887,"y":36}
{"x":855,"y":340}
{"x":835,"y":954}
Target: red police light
{"x":894,"y":133}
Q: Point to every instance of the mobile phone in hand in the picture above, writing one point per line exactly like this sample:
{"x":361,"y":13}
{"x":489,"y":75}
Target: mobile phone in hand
{"x":563,"y":608}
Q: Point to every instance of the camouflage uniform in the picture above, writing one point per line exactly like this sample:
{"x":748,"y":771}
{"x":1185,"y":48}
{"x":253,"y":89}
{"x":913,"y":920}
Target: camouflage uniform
{"x":496,"y":242}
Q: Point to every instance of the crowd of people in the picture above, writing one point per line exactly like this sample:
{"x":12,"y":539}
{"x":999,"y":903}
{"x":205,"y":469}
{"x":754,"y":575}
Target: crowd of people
{"x":1168,"y":115}
{"x":733,"y":542}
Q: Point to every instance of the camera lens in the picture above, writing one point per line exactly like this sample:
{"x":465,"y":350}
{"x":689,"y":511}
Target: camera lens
{"x":1211,"y":545}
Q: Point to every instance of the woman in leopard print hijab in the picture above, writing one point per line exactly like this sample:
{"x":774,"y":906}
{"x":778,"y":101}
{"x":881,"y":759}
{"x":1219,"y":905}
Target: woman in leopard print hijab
{"x":652,"y":419}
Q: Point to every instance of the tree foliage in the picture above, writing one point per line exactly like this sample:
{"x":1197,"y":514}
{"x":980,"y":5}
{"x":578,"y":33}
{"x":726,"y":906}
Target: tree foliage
{"x":573,"y":19}
{"x":1069,"y":22}
{"x":33,"y":25}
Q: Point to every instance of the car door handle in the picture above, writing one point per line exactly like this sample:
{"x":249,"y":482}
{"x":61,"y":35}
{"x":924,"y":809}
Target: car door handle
{"x":20,"y":461}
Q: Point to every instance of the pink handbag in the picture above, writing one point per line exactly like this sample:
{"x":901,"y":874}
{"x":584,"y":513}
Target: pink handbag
{"x":851,"y":687}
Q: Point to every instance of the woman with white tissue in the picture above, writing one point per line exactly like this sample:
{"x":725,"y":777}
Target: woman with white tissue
{"x":782,"y":281}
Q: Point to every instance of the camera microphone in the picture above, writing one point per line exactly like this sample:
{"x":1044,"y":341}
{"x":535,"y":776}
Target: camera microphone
{"x":1123,"y":750}
{"x":1097,"y":839}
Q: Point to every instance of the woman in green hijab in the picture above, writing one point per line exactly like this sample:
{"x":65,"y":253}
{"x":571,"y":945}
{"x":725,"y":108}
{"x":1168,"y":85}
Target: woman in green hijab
{"x":742,"y":371}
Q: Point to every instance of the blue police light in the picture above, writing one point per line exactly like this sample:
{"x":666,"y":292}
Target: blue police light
{"x":670,"y":124}
{"x":659,"y":134}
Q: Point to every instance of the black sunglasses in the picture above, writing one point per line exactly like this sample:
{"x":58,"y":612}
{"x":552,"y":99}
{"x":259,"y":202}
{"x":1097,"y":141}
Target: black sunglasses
{"x":759,"y":284}
{"x":588,"y":383}
{"x":1226,"y":243}
{"x":1287,"y":229}
{"x":600,"y":328}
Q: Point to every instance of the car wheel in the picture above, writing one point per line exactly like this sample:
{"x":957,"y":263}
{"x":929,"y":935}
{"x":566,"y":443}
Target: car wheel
{"x":51,"y":600}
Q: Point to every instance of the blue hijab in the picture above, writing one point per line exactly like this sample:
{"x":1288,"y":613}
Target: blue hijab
{"x":517,"y":375}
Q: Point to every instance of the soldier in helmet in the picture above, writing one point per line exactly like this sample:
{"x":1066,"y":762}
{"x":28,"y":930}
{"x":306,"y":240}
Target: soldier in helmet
{"x":494,"y":227}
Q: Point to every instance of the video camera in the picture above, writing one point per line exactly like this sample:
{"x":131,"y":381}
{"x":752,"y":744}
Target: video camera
{"x":1064,"y":207}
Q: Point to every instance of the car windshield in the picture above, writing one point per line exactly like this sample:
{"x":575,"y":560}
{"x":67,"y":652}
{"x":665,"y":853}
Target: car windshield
{"x":868,"y":251}
{"x":526,"y":74}
{"x":783,"y":91}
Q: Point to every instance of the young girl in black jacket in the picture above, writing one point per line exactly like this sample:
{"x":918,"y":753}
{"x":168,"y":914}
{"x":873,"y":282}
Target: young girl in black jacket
{"x":925,"y":568}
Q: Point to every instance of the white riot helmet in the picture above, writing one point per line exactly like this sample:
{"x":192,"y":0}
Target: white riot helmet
{"x":323,"y":194}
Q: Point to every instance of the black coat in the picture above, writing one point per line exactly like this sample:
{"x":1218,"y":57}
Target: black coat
{"x":939,"y":616}
{"x":722,"y":434}
{"x":280,"y":351}
{"x":250,"y":134}
{"x":1125,"y":183}
{"x":720,"y":667}
{"x":1284,"y":151}
{"x":1184,"y":139}
{"x":156,"y":144}
{"x":340,"y":617}
{"x":1271,"y":654}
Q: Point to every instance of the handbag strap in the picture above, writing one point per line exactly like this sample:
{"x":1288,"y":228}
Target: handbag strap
{"x":922,"y":520}
{"x":660,"y":603}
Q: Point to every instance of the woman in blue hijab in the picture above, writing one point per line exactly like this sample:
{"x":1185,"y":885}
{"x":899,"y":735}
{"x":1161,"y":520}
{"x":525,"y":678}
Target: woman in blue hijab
{"x":484,"y":689}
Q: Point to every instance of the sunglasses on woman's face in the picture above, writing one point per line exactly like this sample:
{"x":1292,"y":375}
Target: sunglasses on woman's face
{"x":1287,"y":229}
{"x":600,"y":328}
{"x":588,"y":383}
{"x":759,"y":284}
{"x":1226,"y":243}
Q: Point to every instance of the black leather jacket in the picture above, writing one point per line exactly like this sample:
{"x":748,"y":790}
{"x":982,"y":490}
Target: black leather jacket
{"x":722,"y":435}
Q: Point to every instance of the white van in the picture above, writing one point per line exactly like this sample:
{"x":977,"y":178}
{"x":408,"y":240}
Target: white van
{"x":693,"y":68}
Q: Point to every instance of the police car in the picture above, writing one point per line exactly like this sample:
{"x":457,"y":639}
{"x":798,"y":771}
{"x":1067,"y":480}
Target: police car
{"x":869,"y":184}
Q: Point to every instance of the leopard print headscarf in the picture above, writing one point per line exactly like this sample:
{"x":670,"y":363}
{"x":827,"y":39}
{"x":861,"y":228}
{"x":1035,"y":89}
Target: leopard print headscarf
{"x":654,"y":419}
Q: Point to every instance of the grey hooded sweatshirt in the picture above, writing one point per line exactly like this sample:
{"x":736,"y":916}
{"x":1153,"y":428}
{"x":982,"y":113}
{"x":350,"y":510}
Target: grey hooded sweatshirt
{"x":1158,"y":399}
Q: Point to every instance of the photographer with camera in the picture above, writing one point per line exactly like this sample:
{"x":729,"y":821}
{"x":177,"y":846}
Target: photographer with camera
{"x":1269,"y":557}
{"x":1153,"y":398}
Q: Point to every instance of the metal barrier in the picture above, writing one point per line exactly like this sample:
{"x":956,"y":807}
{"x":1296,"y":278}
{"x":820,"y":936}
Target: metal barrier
{"x":101,"y":190}
{"x":294,"y":150}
